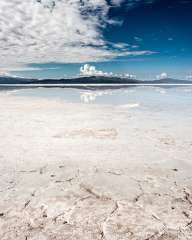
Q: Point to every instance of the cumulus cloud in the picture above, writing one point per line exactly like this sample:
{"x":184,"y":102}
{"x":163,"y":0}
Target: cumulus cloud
{"x":162,"y":76}
{"x":130,"y":76}
{"x":88,"y":70}
{"x":67,"y":31}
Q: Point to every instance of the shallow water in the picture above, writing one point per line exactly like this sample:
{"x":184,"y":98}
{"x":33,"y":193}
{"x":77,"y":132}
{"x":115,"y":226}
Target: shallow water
{"x":174,"y":99}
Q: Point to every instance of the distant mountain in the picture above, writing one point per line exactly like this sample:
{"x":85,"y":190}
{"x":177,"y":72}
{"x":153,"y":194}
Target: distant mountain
{"x":14,"y":80}
{"x":78,"y":80}
{"x":88,"y":80}
{"x":169,"y":81}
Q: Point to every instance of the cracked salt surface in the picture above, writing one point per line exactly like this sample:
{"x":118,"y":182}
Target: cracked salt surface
{"x":75,"y":171}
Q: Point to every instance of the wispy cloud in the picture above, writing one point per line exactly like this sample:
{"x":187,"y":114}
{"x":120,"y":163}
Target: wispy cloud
{"x":67,"y":31}
{"x":117,"y":2}
{"x":132,"y":3}
{"x":135,"y":3}
{"x":138,"y":39}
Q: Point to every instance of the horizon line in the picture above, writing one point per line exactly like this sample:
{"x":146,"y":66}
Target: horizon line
{"x":94,"y":84}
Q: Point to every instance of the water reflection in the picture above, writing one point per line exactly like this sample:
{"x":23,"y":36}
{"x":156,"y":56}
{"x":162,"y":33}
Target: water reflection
{"x":146,"y":97}
{"x":91,"y":96}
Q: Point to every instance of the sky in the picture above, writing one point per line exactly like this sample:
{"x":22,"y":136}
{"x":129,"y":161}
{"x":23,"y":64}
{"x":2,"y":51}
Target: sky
{"x":144,"y":39}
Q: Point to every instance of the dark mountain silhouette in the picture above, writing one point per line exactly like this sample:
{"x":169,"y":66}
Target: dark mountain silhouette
{"x":14,"y":80}
{"x":169,"y":81}
{"x":88,"y":80}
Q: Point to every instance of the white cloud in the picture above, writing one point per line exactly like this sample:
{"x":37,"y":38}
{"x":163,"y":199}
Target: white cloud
{"x":135,"y":3}
{"x":67,"y":31}
{"x":131,"y":3}
{"x":189,"y":77}
{"x":117,"y":2}
{"x":3,"y":73}
{"x":162,"y":76}
{"x":138,"y":39}
{"x":121,"y":45}
{"x":130,"y":76}
{"x":88,"y":70}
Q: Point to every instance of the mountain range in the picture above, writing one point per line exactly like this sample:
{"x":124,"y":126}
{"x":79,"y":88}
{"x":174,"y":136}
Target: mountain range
{"x":87,"y":80}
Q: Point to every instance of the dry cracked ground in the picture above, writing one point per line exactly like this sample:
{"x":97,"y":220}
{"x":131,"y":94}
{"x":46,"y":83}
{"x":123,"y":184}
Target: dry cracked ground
{"x":72,"y":171}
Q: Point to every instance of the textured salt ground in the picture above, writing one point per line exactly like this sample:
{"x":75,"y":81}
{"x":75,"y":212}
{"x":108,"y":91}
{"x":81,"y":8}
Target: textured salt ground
{"x":72,"y":171}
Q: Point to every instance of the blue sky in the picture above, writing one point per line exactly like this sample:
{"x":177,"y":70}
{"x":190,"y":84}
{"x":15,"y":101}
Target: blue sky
{"x":138,"y":37}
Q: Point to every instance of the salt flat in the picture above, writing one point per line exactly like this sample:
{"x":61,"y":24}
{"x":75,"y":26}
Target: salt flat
{"x":80,"y":171}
